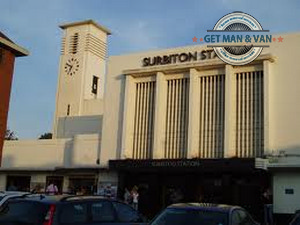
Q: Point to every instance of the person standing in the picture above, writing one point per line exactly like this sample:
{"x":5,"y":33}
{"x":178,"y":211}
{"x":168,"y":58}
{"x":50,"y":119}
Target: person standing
{"x":52,"y":189}
{"x":12,"y":187}
{"x":127,"y":197}
{"x":135,"y":197}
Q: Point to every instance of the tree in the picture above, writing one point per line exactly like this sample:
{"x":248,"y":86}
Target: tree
{"x":10,"y":135}
{"x":46,"y":136}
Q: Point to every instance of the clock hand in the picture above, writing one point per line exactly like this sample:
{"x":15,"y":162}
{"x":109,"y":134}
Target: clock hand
{"x":70,"y":68}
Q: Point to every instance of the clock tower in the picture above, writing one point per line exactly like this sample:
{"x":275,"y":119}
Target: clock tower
{"x":82,"y":65}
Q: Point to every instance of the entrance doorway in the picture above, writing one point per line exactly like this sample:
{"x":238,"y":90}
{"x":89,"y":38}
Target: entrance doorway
{"x":160,"y":189}
{"x":18,"y":183}
{"x":82,"y":184}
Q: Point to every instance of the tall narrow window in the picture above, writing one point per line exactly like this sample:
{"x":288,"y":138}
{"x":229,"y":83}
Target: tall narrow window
{"x":177,"y":118}
{"x":250,"y":114}
{"x":95,"y":85}
{"x":68,"y":110}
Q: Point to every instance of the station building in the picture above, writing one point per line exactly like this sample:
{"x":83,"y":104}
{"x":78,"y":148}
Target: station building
{"x":169,"y":121}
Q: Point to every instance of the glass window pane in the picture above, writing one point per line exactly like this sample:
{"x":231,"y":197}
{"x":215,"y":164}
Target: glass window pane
{"x":74,"y":213}
{"x":102,"y":212}
{"x":126,"y":213}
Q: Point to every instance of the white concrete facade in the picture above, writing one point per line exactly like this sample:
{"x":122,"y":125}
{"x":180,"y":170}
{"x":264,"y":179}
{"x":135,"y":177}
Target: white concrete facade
{"x":193,"y":109}
{"x":281,"y":125}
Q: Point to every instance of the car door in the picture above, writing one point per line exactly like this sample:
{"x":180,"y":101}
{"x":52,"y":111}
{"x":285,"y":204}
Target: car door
{"x":126,"y":215}
{"x":102,"y":213}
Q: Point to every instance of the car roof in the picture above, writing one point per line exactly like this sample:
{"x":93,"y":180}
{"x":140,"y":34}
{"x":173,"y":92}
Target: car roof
{"x":204,"y":207}
{"x":5,"y":193}
{"x":60,"y":198}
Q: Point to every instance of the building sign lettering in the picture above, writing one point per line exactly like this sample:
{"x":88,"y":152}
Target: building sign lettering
{"x":179,"y":58}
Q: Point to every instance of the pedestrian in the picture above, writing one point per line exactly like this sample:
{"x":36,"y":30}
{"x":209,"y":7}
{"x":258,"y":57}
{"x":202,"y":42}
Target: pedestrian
{"x":52,"y":189}
{"x":12,"y":187}
{"x":108,"y":192}
{"x":127,"y":197}
{"x":135,"y":197}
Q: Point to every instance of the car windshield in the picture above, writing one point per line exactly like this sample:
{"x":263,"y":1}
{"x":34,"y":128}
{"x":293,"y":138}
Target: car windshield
{"x":191,"y":217}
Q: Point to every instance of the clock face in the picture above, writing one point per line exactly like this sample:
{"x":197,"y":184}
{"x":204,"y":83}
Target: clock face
{"x":71,"y":66}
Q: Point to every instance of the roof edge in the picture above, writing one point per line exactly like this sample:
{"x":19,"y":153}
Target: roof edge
{"x":103,"y":28}
{"x":18,"y":50}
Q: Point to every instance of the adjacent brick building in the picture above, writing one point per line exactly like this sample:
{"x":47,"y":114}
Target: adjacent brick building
{"x":8,"y":51}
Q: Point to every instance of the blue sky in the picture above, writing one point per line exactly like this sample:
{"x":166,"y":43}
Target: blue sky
{"x":136,"y":25}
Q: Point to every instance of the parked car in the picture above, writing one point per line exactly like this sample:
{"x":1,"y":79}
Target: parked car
{"x":203,"y":214}
{"x":58,"y":210}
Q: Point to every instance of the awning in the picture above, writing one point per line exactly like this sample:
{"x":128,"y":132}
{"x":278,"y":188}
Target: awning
{"x":237,"y":165}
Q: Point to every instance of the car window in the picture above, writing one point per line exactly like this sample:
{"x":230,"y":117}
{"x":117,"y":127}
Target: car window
{"x":73,"y":213}
{"x":241,"y":217}
{"x":126,"y":213}
{"x":23,"y":212}
{"x":102,"y":212}
{"x":296,"y":220}
{"x":236,"y":219}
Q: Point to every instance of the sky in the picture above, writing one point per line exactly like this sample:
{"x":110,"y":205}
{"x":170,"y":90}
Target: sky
{"x":136,"y":25}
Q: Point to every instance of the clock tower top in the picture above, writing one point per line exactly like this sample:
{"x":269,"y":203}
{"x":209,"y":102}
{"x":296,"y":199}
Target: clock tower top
{"x":86,"y":22}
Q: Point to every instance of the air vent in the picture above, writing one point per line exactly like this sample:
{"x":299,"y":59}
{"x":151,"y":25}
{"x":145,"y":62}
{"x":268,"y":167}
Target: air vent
{"x":63,"y":46}
{"x":95,"y":46}
{"x":73,"y":45}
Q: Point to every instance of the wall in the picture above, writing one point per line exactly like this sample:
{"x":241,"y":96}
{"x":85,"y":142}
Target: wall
{"x":50,"y":153}
{"x":284,"y":92}
{"x":92,"y":107}
{"x":81,"y":151}
{"x":86,"y":150}
{"x":2,"y":182}
{"x":68,"y":127}
{"x":286,"y":203}
{"x":6,"y":74}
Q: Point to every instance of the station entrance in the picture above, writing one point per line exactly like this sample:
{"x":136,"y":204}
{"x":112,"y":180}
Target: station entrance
{"x":221,"y":181}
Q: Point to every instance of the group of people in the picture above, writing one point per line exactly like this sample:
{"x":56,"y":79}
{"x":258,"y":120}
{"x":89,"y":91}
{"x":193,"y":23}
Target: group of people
{"x":132,"y":197}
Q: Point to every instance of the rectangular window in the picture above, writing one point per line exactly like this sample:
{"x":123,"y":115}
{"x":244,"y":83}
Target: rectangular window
{"x":95,"y":85}
{"x":289,"y":191}
{"x":68,"y":110}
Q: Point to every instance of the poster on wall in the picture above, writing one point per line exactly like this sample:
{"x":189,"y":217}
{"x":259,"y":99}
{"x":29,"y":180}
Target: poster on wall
{"x":108,"y":189}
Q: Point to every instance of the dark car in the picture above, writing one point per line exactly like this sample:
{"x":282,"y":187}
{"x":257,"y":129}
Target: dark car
{"x":296,"y":219}
{"x":67,"y":210}
{"x":203,"y":214}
